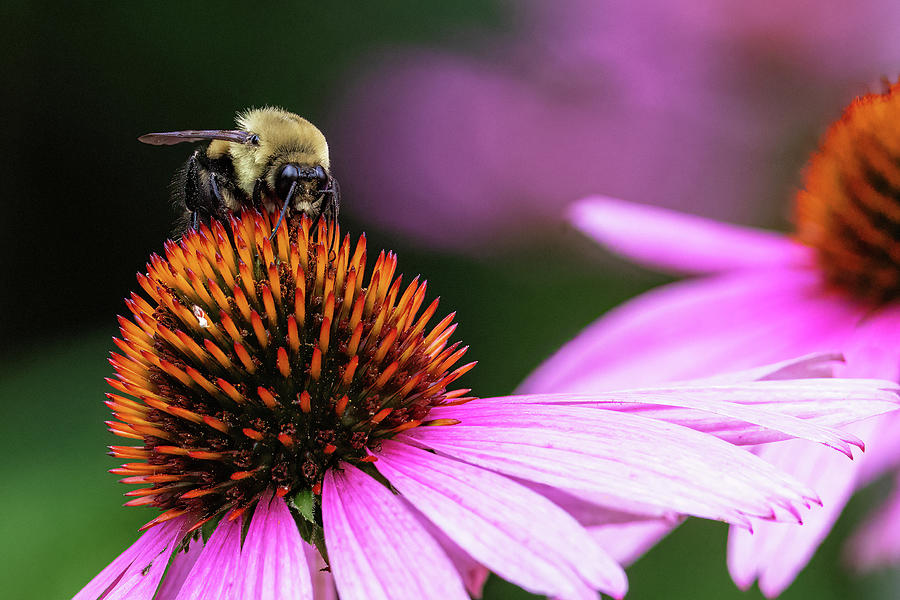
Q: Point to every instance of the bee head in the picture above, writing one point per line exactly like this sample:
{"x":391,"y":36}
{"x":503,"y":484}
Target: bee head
{"x":290,"y":150}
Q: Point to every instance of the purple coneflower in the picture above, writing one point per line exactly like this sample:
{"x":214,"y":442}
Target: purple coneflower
{"x":765,"y":297}
{"x":289,"y":417}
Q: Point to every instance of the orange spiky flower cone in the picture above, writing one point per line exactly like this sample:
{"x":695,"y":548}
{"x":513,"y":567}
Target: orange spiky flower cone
{"x":259,"y":362}
{"x":849,"y":209}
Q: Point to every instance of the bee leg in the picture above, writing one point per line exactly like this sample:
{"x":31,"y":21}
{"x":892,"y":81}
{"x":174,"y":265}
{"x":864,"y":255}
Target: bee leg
{"x":332,"y":204}
{"x":202,"y":187}
{"x":257,"y":193}
{"x":215,"y":186}
{"x":193,"y":189}
{"x":192,"y":184}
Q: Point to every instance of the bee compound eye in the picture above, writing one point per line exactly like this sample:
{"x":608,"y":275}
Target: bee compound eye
{"x":253,"y":140}
{"x":286,"y":176}
{"x":321,"y":175}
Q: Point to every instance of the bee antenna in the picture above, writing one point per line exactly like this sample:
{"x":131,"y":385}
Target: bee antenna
{"x":287,"y":201}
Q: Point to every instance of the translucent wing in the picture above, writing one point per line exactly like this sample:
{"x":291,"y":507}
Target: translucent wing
{"x":198,"y":135}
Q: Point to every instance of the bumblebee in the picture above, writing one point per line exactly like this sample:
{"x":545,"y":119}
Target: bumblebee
{"x":274,"y":160}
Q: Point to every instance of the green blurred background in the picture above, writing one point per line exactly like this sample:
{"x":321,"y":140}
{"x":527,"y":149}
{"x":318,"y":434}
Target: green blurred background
{"x":85,"y":204}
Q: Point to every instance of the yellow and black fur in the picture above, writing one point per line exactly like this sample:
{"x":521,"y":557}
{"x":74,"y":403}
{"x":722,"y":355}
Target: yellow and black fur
{"x":275,"y":160}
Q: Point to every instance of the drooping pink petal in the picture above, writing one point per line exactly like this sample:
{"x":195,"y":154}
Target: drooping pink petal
{"x":377,"y":549}
{"x":679,"y":242}
{"x":179,"y":568}
{"x":215,"y":573}
{"x":624,"y":535}
{"x":626,"y":542}
{"x":777,"y":552}
{"x":882,"y":450}
{"x":608,"y":452}
{"x":322,"y":581}
{"x":273,"y":564}
{"x":877,"y":542}
{"x":472,"y":572}
{"x":138,"y":570}
{"x":593,"y":509}
{"x":515,"y":532}
{"x":696,"y":329}
{"x":873,"y":351}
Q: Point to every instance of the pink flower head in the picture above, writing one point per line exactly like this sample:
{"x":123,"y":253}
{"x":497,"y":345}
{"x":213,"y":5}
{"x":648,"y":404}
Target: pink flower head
{"x":311,"y":432}
{"x":764,"y":297}
{"x":677,"y":102}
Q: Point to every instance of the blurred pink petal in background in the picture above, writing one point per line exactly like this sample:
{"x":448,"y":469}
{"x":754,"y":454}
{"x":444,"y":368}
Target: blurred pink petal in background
{"x":676,"y":103}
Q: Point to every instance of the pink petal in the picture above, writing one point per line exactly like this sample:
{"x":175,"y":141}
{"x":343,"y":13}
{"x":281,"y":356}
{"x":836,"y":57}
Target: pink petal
{"x":377,"y":549}
{"x":698,"y":329}
{"x":882,"y":449}
{"x":138,"y":570}
{"x":679,"y":242}
{"x":873,"y":351}
{"x":593,"y":509}
{"x":753,"y":412}
{"x":777,"y":552}
{"x":808,"y":409}
{"x":515,"y":532}
{"x":322,"y":581}
{"x":215,"y":573}
{"x":273,"y":564}
{"x":181,"y":565}
{"x":608,"y":452}
{"x":877,"y":542}
{"x":472,"y":572}
{"x":626,"y":542}
{"x":836,"y":410}
{"x":815,"y":365}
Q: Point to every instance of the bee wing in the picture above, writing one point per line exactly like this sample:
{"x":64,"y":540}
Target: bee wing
{"x":196,"y":135}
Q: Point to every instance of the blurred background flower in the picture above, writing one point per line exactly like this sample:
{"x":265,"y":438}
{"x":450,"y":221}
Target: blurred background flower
{"x":696,"y":104}
{"x":706,"y":106}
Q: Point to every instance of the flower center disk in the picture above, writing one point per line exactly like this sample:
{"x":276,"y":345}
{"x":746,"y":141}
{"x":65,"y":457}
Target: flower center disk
{"x":258,"y":363}
{"x":849,"y":210}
